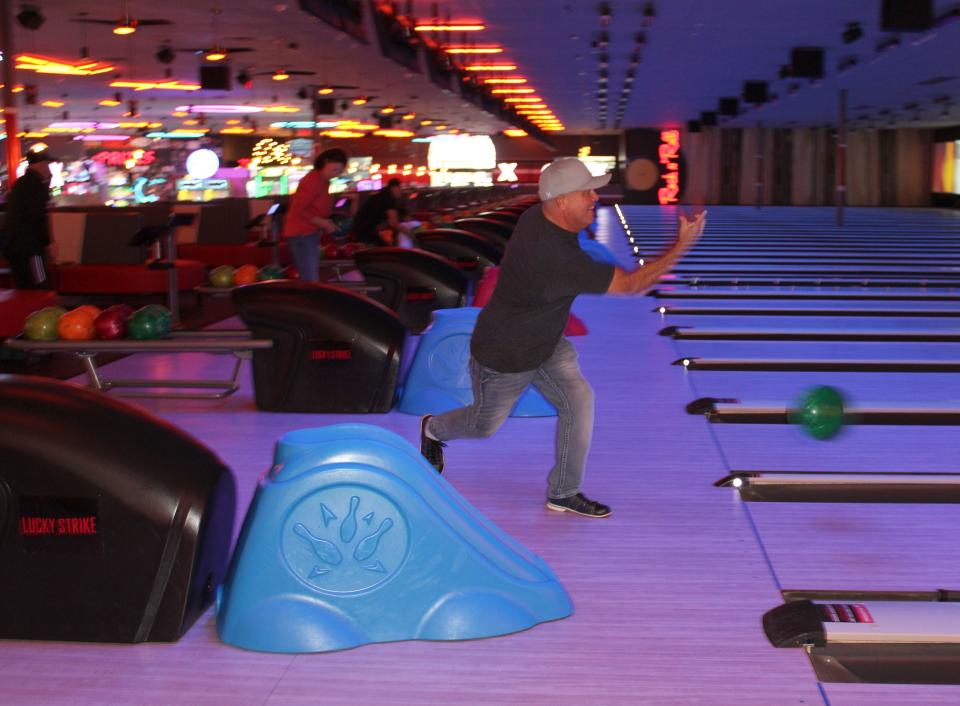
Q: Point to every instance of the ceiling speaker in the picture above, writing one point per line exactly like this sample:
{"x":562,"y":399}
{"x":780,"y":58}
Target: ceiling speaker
{"x":755,"y":91}
{"x":215,"y":77}
{"x":906,"y":15}
{"x":806,"y":62}
{"x":729,"y":106}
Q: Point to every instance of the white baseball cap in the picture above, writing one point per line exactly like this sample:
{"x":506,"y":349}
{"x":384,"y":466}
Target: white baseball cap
{"x":566,"y":176}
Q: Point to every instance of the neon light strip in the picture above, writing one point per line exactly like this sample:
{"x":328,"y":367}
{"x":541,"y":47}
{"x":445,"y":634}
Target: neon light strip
{"x":474,"y":50}
{"x":102,"y":138}
{"x":174,"y":135}
{"x":43,"y":65}
{"x":229,"y":109}
{"x":491,"y":67}
{"x":156,"y":85}
{"x":450,"y":28}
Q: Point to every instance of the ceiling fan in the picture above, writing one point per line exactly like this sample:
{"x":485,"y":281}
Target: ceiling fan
{"x":216,"y":51}
{"x":126,"y":24}
{"x":283,"y":73}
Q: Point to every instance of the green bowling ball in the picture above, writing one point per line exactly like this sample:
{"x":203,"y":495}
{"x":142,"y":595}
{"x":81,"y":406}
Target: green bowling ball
{"x":820,"y":412}
{"x":146,"y":324}
{"x":222,"y":276}
{"x":41,"y":325}
{"x":163,"y":316}
{"x":269,"y":272}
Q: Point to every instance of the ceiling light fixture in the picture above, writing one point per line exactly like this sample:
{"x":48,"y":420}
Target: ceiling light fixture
{"x":156,"y":85}
{"x":474,"y":50}
{"x":125,"y":26}
{"x":450,"y":27}
{"x":491,"y":67}
{"x":45,"y":65}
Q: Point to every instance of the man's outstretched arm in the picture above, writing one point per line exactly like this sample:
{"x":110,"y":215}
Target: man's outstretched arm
{"x":642,"y":278}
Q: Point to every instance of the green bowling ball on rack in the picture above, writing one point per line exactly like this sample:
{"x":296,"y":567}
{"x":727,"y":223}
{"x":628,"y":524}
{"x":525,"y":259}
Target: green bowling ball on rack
{"x":163,"y":316}
{"x":820,"y":411}
{"x":149,"y":322}
{"x":269,"y":272}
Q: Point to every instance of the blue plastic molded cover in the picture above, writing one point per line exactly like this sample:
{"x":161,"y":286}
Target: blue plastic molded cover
{"x":439,"y":377}
{"x":598,"y":251}
{"x":353,"y":538}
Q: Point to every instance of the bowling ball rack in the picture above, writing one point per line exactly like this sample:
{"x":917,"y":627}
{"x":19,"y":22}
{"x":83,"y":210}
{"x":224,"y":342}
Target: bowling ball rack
{"x":239,"y":343}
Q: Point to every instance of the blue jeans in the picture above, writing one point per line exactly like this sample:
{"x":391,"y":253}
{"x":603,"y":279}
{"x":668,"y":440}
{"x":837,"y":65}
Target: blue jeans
{"x":495,"y":393}
{"x":306,"y":256}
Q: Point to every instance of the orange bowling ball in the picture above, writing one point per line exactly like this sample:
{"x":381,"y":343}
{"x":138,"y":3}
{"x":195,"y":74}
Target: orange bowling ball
{"x":88,"y":310}
{"x":247,"y":274}
{"x":76,"y":325}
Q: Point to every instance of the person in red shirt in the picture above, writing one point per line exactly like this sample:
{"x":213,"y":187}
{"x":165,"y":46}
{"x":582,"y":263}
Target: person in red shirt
{"x":309,"y":213}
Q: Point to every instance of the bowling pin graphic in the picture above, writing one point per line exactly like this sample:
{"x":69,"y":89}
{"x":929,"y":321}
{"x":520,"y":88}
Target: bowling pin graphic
{"x":348,"y":528}
{"x":326,"y":551}
{"x":368,"y":545}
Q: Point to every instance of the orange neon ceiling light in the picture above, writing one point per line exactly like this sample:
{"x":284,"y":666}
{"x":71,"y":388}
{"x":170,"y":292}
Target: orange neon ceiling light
{"x":529,"y":99}
{"x":515,"y":132}
{"x":156,"y":85}
{"x":341,"y":133}
{"x":47,"y":65}
{"x":280,"y":109}
{"x":474,"y":50}
{"x":52,"y":104}
{"x":393,"y":133}
{"x":236,"y":131}
{"x":491,"y":67}
{"x":499,"y":91}
{"x":451,"y":27}
{"x":505,"y":80}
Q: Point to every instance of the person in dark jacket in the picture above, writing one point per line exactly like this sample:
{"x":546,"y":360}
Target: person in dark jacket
{"x":28,"y":235}
{"x":378,"y":214}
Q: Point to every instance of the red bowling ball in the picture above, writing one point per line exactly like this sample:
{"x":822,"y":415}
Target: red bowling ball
{"x":111,"y":324}
{"x":331,"y":252}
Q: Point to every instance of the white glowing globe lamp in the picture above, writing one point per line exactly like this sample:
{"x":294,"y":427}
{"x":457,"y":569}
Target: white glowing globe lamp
{"x":202,"y":164}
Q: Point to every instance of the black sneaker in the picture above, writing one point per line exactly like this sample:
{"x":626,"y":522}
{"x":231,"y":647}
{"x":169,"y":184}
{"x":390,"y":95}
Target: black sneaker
{"x":579,"y":504}
{"x":431,"y":449}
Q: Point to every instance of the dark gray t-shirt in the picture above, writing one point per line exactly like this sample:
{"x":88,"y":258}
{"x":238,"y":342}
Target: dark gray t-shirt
{"x":542,"y":272}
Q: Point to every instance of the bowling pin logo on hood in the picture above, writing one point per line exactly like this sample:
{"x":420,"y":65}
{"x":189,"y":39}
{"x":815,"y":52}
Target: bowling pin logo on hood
{"x":341,"y":540}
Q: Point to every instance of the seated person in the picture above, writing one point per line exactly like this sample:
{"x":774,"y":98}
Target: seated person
{"x":378,"y":214}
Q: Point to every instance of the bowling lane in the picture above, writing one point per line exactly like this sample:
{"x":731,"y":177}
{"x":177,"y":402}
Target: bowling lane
{"x":733,"y":307}
{"x":858,"y":270}
{"x":819,"y":350}
{"x":812,"y":322}
{"x":895,"y":390}
{"x":811,"y":292}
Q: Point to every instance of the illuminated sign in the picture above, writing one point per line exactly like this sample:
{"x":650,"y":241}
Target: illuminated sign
{"x":669,"y":153}
{"x":508,"y":171}
{"x":119,"y":158}
{"x":583,"y":151}
{"x":202,"y":164}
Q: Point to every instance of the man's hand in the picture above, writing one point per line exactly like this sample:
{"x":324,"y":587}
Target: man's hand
{"x":325,"y":223}
{"x":689,"y":231}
